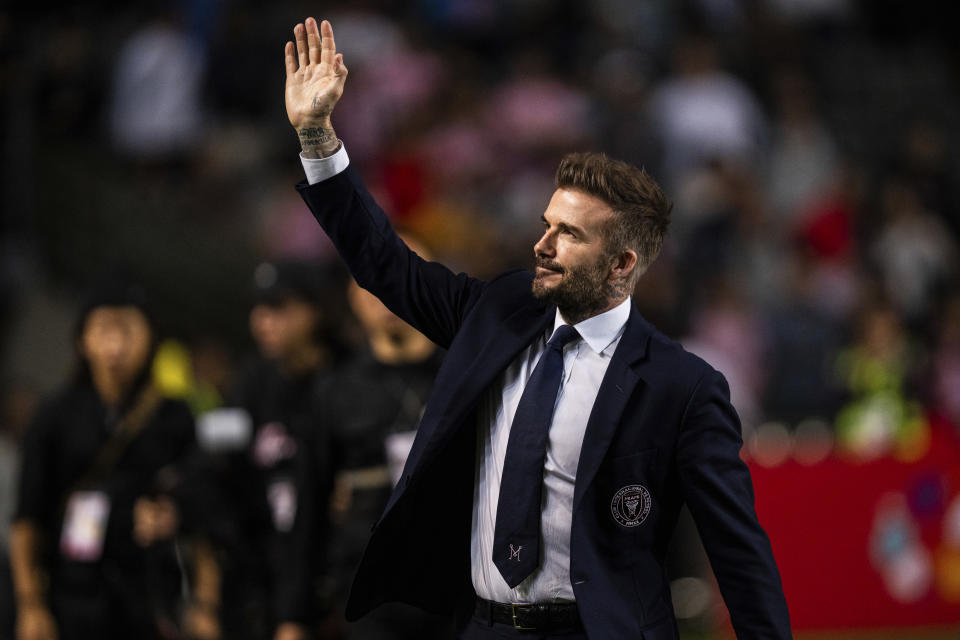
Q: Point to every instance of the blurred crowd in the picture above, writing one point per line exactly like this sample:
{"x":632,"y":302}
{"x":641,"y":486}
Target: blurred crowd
{"x":810,"y":148}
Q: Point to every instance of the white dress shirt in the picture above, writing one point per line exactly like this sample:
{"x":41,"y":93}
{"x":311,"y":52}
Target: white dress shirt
{"x":585,"y":363}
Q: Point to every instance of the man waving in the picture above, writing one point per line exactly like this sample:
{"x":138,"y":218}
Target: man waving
{"x":564,"y":432}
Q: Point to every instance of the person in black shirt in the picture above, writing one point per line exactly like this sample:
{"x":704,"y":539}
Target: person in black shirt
{"x":277,"y":484}
{"x":372,"y":411}
{"x":103,"y":442}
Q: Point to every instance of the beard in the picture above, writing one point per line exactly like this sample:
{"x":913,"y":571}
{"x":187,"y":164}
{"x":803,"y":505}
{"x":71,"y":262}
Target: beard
{"x":581,"y":292}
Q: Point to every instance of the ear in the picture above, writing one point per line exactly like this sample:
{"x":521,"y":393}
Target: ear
{"x":624,"y":264}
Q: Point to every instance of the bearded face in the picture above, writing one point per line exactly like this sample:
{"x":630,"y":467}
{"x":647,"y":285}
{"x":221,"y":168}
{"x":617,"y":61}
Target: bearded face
{"x":574,"y":268}
{"x":578,"y":290}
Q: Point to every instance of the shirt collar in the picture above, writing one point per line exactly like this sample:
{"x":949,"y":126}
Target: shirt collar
{"x":600,"y":330}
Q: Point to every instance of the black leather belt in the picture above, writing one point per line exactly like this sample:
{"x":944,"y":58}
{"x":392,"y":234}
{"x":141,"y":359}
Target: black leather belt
{"x":531,"y":617}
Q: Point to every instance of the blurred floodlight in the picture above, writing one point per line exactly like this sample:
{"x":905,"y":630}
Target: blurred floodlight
{"x":812,"y":441}
{"x":771,"y":444}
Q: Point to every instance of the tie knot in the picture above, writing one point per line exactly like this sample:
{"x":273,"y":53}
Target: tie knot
{"x":562,"y":336}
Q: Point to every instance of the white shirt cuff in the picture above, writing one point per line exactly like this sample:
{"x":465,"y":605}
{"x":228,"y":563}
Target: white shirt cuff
{"x":320,"y":169}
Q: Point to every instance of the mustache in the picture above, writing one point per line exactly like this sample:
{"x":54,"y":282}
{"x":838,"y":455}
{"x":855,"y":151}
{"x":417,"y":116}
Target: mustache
{"x":552,"y":266}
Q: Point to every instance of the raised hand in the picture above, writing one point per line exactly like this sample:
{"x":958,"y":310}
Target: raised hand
{"x":315,"y":79}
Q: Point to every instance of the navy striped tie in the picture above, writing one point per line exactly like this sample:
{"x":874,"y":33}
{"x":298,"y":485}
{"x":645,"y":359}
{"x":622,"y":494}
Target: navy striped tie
{"x":516,"y":537}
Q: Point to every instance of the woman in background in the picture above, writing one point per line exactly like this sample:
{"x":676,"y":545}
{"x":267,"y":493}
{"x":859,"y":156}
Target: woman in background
{"x":82,"y":567}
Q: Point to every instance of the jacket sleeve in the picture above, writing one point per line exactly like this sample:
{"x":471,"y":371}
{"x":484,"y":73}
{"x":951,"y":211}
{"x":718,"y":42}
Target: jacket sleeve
{"x":719,"y":491}
{"x":425,"y":294}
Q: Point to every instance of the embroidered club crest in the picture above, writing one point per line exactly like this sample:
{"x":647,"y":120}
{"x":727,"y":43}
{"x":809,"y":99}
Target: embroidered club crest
{"x":631,"y":505}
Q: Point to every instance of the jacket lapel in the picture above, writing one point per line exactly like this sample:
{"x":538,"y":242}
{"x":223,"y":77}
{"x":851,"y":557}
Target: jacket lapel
{"x":618,"y":385}
{"x":515,"y":333}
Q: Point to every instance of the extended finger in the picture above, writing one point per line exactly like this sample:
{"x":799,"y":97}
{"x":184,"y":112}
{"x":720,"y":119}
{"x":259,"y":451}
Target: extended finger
{"x":290,"y":58}
{"x":327,"y":44}
{"x":313,"y":40}
{"x":300,"y":33}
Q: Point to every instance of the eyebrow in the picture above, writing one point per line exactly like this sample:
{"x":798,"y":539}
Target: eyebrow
{"x":563,"y":226}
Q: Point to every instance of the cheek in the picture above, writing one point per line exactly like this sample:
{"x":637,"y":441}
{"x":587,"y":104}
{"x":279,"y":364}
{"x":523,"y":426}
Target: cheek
{"x":573,"y":255}
{"x":139,"y":350}
{"x":265,"y":327}
{"x":297,"y":327}
{"x":259,"y":319}
{"x":89,"y":349}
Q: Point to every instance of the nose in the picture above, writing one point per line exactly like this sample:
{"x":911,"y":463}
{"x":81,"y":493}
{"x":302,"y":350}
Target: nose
{"x":544,"y":247}
{"x":115,"y":346}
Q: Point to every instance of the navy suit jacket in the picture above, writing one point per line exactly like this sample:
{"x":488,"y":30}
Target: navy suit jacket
{"x":662,"y":420}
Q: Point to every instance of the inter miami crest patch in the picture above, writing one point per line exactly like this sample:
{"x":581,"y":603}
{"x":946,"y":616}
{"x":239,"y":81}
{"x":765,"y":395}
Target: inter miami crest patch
{"x":631,"y":505}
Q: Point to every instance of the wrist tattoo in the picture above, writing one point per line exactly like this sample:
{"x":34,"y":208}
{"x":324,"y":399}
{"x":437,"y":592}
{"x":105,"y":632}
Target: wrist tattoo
{"x":316,"y":136}
{"x":318,"y":142}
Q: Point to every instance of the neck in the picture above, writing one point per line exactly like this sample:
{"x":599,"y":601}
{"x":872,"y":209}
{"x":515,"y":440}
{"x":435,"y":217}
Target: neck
{"x":111,"y":390}
{"x":400,"y":348}
{"x":303,"y":359}
{"x":576,"y":316}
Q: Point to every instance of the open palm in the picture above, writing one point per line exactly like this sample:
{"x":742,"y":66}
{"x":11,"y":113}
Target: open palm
{"x":315,"y":75}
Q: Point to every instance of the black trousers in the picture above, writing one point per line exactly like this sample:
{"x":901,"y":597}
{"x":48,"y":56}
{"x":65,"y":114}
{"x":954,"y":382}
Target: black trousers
{"x":476,"y":629}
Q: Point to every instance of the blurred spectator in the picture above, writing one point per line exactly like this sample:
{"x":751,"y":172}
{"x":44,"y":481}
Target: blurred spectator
{"x":156,"y":111}
{"x":283,"y":231}
{"x":804,"y":342}
{"x":803,"y":155}
{"x":882,"y":414}
{"x":373,"y":408}
{"x":726,"y":333}
{"x":945,"y":383}
{"x":621,"y":80}
{"x":704,"y":113}
{"x":924,"y":162}
{"x":393,"y":80}
{"x":108,"y":440}
{"x":724,"y":231}
{"x":533,"y":111}
{"x":913,"y":251}
{"x":273,"y":462}
{"x":828,"y":231}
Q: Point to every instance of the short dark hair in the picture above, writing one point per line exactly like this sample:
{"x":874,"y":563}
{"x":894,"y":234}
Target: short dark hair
{"x":642,"y":209}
